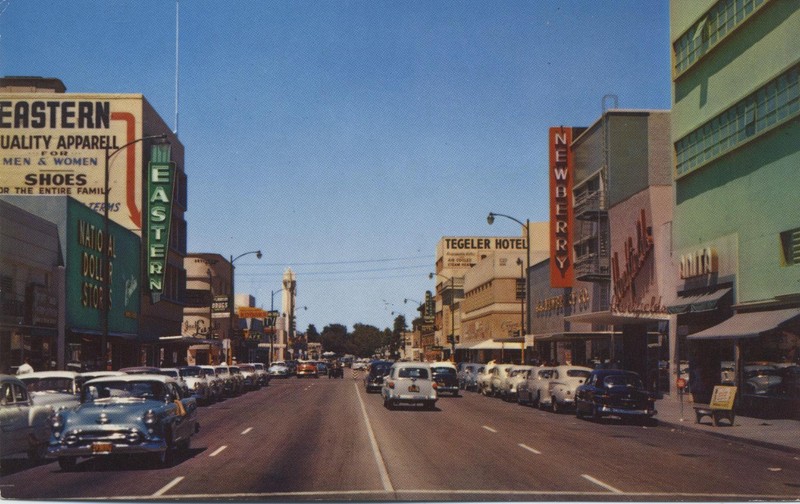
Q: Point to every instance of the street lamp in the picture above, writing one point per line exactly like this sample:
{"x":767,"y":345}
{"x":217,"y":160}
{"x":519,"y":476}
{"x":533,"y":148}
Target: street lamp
{"x":106,"y":281}
{"x":231,"y":300}
{"x":452,"y":314}
{"x":527,"y":226}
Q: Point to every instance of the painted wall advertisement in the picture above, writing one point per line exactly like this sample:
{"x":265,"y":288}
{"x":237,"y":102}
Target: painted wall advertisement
{"x":86,"y":246}
{"x":56,"y":145}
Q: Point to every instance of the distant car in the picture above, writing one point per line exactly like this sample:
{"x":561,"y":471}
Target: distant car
{"x":278,"y":370}
{"x":230,"y":385}
{"x":359,"y":365}
{"x":216,"y":385}
{"x":140,"y":414}
{"x":24,"y":427}
{"x":484,"y":379}
{"x":409,"y":383}
{"x":197,"y":382}
{"x":761,"y":379}
{"x":373,"y":380}
{"x":468,"y":375}
{"x":614,"y":392}
{"x":262,"y":377}
{"x":536,"y":388}
{"x":562,"y":386}
{"x":140,"y":370}
{"x":307,"y":369}
{"x":238,"y":378}
{"x":517,"y":375}
{"x":446,"y":378}
{"x":91,"y":375}
{"x":178,"y":376}
{"x":59,"y":389}
{"x":249,"y":376}
{"x":499,"y":375}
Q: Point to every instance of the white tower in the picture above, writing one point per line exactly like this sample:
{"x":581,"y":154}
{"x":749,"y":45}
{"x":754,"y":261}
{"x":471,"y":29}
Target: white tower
{"x":287,"y":307}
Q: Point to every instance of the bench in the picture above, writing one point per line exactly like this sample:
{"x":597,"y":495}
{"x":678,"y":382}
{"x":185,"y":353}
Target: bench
{"x":721,"y":406}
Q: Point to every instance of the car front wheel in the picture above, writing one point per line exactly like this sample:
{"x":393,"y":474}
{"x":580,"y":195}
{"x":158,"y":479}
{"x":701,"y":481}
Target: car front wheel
{"x":67,"y":463}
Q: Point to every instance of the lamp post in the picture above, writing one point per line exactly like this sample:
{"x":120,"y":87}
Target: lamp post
{"x":109,"y":153}
{"x":527,"y":226}
{"x":231,"y":300}
{"x":452,"y":314}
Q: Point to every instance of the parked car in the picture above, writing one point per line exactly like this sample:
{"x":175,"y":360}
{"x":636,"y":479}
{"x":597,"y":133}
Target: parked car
{"x":536,"y":387}
{"x":176,"y":374}
{"x":197,"y":382}
{"x":278,"y":370}
{"x":58,"y":389}
{"x":563,"y":383}
{"x":121,"y":415}
{"x":307,"y":369}
{"x":614,"y":392}
{"x":249,"y":376}
{"x":483,"y":381}
{"x":24,"y":427}
{"x":216,"y":385}
{"x":446,"y":377}
{"x":517,"y":375}
{"x":230,"y":384}
{"x":373,"y":380}
{"x":91,"y":375}
{"x":261,"y":373}
{"x":499,"y":375}
{"x":140,"y":370}
{"x":468,"y":376}
{"x":761,"y":379}
{"x":238,"y":378}
{"x":409,"y":383}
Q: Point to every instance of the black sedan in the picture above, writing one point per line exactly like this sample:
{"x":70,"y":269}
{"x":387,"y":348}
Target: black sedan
{"x":373,"y":381}
{"x":614,"y":392}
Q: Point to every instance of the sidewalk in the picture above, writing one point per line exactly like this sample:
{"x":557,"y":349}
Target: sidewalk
{"x":777,"y":434}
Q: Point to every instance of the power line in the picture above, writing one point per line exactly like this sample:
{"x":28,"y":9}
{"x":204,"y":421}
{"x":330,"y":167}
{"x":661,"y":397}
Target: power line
{"x":343,"y":272}
{"x":363,"y":261}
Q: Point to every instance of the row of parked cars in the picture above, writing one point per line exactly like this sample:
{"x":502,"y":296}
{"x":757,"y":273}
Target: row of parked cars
{"x":582,"y":390}
{"x":139,"y":410}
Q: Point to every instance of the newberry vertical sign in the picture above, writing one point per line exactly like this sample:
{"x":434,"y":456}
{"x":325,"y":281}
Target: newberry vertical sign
{"x":561,"y":211}
{"x":160,"y":191}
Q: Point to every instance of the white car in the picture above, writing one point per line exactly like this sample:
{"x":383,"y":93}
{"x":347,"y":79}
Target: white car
{"x":483,"y":381}
{"x":216,"y":385}
{"x":517,"y":375}
{"x":409,"y":383}
{"x":59,"y":389}
{"x":499,"y":376}
{"x":278,"y":370}
{"x":564,"y":381}
{"x":760,"y":378}
{"x":24,"y":428}
{"x":536,"y":387}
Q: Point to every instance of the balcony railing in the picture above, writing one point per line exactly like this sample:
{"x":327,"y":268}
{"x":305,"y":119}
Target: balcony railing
{"x":588,"y":205}
{"x":592,"y":268}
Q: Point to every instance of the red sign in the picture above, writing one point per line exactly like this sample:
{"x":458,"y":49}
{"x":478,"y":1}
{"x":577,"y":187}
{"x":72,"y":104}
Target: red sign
{"x":681,"y":383}
{"x":562,"y":271}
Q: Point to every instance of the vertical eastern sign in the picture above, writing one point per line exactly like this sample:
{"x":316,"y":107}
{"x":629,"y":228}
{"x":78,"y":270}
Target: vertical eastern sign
{"x":160,"y":191}
{"x":562,"y":271}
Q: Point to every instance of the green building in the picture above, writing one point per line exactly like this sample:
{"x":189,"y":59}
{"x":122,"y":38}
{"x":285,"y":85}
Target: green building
{"x":736,"y":230}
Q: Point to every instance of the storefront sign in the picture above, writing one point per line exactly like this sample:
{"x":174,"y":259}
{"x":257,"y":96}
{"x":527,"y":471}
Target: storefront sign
{"x":635,"y":255}
{"x":466,"y":251}
{"x":248,"y":312}
{"x":561,"y":211}
{"x":578,"y":297}
{"x":430,"y":308}
{"x":160,"y":189}
{"x":219,"y":307}
{"x":54,"y":144}
{"x":699,"y":263}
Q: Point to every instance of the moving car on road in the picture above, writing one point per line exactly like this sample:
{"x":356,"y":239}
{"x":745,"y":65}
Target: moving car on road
{"x":409,"y":383}
{"x":307,"y":369}
{"x":446,"y":378}
{"x":614,"y":392}
{"x":278,"y":370}
{"x":373,"y":380}
{"x":121,"y":415}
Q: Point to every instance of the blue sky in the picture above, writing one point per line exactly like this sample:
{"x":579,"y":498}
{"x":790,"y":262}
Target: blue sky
{"x":345,"y":138}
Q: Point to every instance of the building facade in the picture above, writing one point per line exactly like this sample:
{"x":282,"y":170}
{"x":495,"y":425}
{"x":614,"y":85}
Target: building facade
{"x":736,"y":141}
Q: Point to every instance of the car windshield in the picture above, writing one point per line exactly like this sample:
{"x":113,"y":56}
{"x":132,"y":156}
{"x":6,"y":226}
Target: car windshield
{"x":48,"y":384}
{"x":409,"y":372}
{"x":169,"y":372}
{"x":622,"y":380}
{"x":124,"y":389}
{"x":578,"y":373}
{"x":380,"y":369}
{"x":444,"y":371}
{"x":192,"y":372}
{"x":247,"y":368}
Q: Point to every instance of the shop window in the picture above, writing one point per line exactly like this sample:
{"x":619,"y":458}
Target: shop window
{"x":790,"y":240}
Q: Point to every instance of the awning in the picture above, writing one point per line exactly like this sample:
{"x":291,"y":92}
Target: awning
{"x":491,"y":344}
{"x":572,"y":336}
{"x":749,"y":325}
{"x":698,"y":303}
{"x":189,"y":340}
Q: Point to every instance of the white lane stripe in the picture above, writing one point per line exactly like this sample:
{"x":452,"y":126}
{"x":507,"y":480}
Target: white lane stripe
{"x":168,"y":486}
{"x":537,"y":452}
{"x":600,"y":483}
{"x":218,"y":451}
{"x":246,"y":430}
{"x":489,"y":429}
{"x":387,"y":483}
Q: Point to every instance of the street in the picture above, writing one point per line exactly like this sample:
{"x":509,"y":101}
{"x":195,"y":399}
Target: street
{"x":321,"y":439}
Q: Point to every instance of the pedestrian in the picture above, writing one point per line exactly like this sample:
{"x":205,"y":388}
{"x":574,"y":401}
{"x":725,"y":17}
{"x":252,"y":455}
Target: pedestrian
{"x":25,"y":367}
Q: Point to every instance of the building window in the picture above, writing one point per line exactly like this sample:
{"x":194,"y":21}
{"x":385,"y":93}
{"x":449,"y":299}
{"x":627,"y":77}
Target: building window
{"x":773,"y":104}
{"x":720,"y":20}
{"x":790,"y":240}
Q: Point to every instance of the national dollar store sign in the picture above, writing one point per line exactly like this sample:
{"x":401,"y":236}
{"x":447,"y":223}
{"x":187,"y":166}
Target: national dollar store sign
{"x":160,"y":188}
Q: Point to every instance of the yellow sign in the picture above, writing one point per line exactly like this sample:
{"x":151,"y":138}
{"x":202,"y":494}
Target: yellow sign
{"x":247,"y":312}
{"x":723,"y":397}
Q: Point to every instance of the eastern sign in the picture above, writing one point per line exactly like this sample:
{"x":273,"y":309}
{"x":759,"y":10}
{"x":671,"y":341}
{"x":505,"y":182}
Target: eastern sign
{"x":56,"y":144}
{"x":562,"y":271}
{"x":160,"y":191}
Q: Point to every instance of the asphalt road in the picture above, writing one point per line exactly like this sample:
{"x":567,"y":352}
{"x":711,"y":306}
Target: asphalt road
{"x":329,"y":440}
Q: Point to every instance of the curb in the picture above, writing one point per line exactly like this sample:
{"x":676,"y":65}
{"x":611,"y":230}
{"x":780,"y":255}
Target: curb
{"x":732,"y":437}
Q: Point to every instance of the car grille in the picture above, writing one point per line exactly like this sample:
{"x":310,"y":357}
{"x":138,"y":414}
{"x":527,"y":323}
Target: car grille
{"x":87,"y":437}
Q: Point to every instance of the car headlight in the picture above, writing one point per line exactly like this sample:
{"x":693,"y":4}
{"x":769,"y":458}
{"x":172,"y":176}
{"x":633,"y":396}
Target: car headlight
{"x":149,"y":418}
{"x":57,"y":423}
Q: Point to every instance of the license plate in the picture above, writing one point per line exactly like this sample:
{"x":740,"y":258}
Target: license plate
{"x":102,"y":447}
{"x":413,"y":388}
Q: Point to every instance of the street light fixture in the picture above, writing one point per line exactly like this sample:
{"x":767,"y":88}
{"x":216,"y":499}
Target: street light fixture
{"x":527,"y":226}
{"x":109,"y":153}
{"x":452,"y":314}
{"x":231,"y":298}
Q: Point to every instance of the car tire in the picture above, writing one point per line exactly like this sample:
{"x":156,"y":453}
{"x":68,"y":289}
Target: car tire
{"x":37,"y":452}
{"x":554,"y":406}
{"x":596,"y":413}
{"x":166,"y":458}
{"x":67,"y":463}
{"x":429,"y":405}
{"x":578,"y":412}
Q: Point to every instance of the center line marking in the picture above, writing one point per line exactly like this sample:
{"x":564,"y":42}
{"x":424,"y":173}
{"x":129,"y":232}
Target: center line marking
{"x":168,"y":486}
{"x":246,"y":430}
{"x":489,"y":429}
{"x":387,"y":483}
{"x":598,"y":482}
{"x":218,"y":451}
{"x":537,"y":452}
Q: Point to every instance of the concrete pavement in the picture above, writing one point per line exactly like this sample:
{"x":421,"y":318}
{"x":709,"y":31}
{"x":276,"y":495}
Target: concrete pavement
{"x":779,"y":434}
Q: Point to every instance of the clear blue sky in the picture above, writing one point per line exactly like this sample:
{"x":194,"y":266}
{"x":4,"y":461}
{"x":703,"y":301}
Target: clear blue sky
{"x":345,"y":138}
